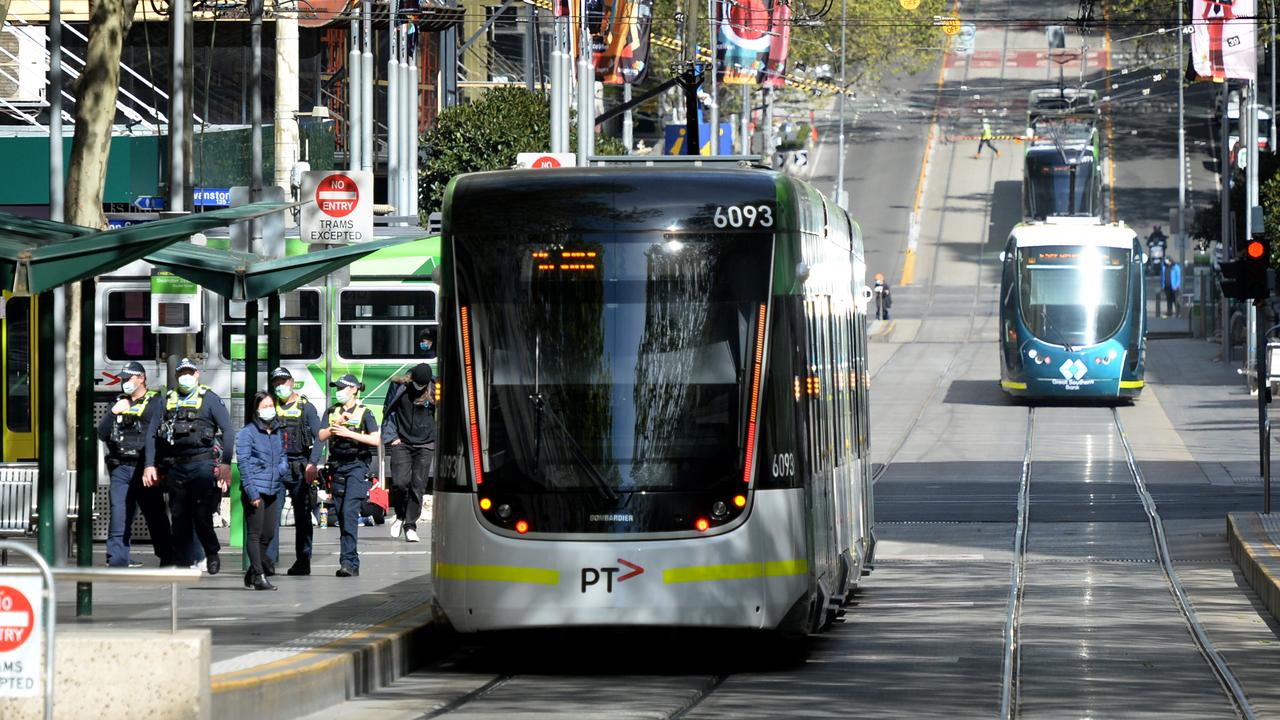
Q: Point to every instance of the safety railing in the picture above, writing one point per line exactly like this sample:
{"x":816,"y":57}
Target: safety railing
{"x":153,"y":576}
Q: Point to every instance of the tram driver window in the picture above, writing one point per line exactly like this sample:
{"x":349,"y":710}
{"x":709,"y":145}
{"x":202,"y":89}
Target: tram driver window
{"x":384,"y":324}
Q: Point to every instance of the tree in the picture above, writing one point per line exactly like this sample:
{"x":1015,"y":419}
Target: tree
{"x":486,"y":135}
{"x":95,"y":112}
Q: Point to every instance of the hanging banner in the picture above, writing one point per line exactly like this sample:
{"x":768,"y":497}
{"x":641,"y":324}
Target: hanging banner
{"x":775,"y":69}
{"x":743,"y":40}
{"x":1223,"y":45}
{"x":620,"y":32}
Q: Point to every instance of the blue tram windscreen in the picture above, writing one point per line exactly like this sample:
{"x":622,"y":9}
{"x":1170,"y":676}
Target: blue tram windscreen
{"x":1074,"y":295}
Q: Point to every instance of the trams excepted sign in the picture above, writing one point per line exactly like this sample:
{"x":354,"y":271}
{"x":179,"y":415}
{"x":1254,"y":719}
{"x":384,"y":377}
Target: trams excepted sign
{"x":341,"y":207}
{"x":20,"y":641}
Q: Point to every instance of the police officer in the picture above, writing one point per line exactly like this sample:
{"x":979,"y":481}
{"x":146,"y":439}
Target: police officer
{"x":352,"y":434}
{"x":300,"y":423}
{"x":194,"y":433}
{"x":129,"y":433}
{"x":409,"y":432}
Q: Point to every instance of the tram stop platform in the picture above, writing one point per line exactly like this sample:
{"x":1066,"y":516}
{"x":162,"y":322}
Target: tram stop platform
{"x":1254,"y":539}
{"x":314,"y":643}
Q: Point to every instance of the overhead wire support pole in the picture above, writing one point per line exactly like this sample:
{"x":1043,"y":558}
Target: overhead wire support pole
{"x":1182,"y":143}
{"x":368,"y":153}
{"x":713,"y":32}
{"x":586,"y":88}
{"x":255,"y":116}
{"x":178,"y":102}
{"x":354,"y":98}
{"x":841,"y":200}
{"x":394,"y":151}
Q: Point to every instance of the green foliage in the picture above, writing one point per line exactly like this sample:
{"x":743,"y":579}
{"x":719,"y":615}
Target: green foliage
{"x":487,"y":135}
{"x":1207,"y":221}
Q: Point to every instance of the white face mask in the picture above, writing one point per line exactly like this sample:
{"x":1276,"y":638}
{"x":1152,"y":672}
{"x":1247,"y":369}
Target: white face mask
{"x":344,"y":397}
{"x":418,"y":387}
{"x":129,"y":387}
{"x":187,"y":382}
{"x":267,"y":414}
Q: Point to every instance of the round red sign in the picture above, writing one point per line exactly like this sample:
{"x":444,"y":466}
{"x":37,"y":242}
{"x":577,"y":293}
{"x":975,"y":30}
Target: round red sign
{"x":337,"y":195}
{"x":16,"y":618}
{"x":546,"y":161}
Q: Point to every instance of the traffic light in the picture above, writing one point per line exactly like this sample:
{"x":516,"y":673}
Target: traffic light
{"x":1249,"y":277}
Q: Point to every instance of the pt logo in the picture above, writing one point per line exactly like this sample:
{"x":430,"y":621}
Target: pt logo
{"x":591,"y":576}
{"x":1073,"y":369}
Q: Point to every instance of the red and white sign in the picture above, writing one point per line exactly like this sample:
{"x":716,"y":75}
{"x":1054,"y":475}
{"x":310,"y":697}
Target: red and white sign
{"x":342,"y":211}
{"x":539,"y":161}
{"x":337,"y":195}
{"x":20,"y":650}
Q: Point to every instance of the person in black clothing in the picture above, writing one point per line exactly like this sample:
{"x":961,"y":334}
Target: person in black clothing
{"x":129,"y":449}
{"x":198,"y":471}
{"x":409,"y":431}
{"x":352,"y":434}
{"x":300,"y":423}
{"x":427,"y":344}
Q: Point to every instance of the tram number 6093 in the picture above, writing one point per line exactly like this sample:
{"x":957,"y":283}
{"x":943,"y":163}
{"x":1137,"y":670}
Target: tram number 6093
{"x":740,"y":216}
{"x":784,"y":465}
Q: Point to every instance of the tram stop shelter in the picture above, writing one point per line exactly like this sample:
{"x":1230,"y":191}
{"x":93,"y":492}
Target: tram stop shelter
{"x":39,"y":256}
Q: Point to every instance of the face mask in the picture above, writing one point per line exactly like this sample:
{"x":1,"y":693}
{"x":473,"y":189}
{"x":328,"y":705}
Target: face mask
{"x":129,"y":387}
{"x":187,"y":382}
{"x":344,"y":397}
{"x":418,"y":387}
{"x":283,"y":392}
{"x":424,"y":346}
{"x":267,"y":414}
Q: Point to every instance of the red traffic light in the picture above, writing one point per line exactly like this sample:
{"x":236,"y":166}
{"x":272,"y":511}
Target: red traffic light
{"x":1254,"y":249}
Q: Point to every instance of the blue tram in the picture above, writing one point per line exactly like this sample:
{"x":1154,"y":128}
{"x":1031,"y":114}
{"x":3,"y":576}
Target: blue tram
{"x":1072,"y":310}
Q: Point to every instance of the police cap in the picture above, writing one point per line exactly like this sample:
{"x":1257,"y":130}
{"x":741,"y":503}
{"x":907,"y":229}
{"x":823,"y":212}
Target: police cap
{"x":132,"y":368}
{"x":347,"y":380}
{"x":281,"y":373}
{"x":187,"y":364}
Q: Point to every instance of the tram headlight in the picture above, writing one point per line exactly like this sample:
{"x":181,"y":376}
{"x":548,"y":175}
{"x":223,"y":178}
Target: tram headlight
{"x":504,"y":511}
{"x":719,"y":510}
{"x":1032,"y":353}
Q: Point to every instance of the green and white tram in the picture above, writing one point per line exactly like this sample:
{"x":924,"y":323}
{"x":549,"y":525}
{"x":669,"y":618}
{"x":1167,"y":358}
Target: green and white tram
{"x":655,"y":404}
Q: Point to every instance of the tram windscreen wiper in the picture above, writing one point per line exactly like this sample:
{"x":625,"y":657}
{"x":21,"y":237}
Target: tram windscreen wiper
{"x":597,"y":478}
{"x":1062,"y":338}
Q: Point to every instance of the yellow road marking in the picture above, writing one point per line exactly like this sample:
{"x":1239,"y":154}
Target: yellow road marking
{"x":735,"y":571}
{"x":497,"y":573}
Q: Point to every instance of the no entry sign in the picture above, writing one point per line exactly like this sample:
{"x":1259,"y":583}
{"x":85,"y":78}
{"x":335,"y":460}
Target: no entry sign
{"x":539,"y":161}
{"x":20,"y":643}
{"x":341,"y":207}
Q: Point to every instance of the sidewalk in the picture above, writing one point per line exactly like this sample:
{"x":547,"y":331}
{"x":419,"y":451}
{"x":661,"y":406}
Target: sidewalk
{"x":1255,"y":546}
{"x":315,"y":642}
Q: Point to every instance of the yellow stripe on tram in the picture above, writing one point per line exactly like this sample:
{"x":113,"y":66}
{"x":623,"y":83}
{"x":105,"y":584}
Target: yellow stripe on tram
{"x":1131,"y":384}
{"x":734,"y":571}
{"x":1011,"y":385}
{"x":497,"y":573}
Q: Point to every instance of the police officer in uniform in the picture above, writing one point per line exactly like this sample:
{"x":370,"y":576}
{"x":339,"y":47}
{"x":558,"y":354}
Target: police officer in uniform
{"x":352,"y":434}
{"x":300,"y":423}
{"x":129,"y":433}
{"x":195,"y":444}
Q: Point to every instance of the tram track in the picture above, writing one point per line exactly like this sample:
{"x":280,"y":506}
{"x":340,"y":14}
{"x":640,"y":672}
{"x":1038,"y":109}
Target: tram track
{"x":1012,"y":685}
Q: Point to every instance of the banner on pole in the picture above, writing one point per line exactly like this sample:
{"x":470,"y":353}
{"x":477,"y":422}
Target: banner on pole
{"x":1223,"y":44}
{"x":620,"y":31}
{"x":752,"y":41}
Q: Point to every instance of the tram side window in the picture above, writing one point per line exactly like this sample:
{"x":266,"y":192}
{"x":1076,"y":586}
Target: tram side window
{"x":301,"y":328}
{"x":17,"y":394}
{"x":128,"y":333}
{"x":777,"y":465}
{"x":384,"y":324}
{"x":811,"y":380}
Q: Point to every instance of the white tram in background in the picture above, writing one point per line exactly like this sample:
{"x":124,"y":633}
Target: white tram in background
{"x":655,"y":401}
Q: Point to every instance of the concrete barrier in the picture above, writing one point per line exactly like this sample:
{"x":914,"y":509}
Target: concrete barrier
{"x":124,"y":674}
{"x":1256,"y":555}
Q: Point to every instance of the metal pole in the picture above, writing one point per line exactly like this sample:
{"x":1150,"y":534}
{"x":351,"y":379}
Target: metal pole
{"x":368,"y":151}
{"x":1271,"y":10}
{"x":354,"y":98}
{"x":273,"y":332}
{"x":1224,"y":199}
{"x":745,"y":131}
{"x":56,"y":209}
{"x":713,"y":30}
{"x":841,"y":102}
{"x":395,"y":195}
{"x":255,"y":116}
{"x":766,"y":148}
{"x":557,"y":86}
{"x":87,"y":450}
{"x":411,"y":147}
{"x":1251,"y":194}
{"x":177,"y":103}
{"x":628,"y":123}
{"x":1182,"y":147}
{"x":586,"y":88}
{"x":287,"y":142}
{"x":1264,"y":425}
{"x":408,"y":145}
{"x":45,"y":442}
{"x":529,"y":40}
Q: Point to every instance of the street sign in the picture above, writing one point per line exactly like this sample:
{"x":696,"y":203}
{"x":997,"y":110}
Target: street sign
{"x":340,"y":207}
{"x":965,"y":39}
{"x":951,"y":25}
{"x":538,"y":161}
{"x":212,"y":197}
{"x":149,"y":202}
{"x":175,"y":305}
{"x":909,"y":4}
{"x":20,"y":636}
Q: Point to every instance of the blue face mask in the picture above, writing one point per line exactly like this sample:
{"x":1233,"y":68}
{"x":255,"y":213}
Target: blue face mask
{"x":424,"y":346}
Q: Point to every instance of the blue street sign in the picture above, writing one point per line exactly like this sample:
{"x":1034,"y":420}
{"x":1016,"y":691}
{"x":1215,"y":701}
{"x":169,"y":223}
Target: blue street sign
{"x":114,"y":223}
{"x":212,"y":197}
{"x":149,"y":202}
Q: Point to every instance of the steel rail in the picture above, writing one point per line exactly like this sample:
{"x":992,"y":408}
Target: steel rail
{"x":1221,"y":669}
{"x":1010,"y":663}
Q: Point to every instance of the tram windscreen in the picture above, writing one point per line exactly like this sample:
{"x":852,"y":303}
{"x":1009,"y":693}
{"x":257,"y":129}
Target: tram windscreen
{"x":1049,"y":184}
{"x":1074,"y":295}
{"x":612,"y":364}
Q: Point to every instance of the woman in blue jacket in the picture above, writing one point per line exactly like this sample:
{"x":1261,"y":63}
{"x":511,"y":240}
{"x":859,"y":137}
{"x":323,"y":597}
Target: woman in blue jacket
{"x":263,"y":467}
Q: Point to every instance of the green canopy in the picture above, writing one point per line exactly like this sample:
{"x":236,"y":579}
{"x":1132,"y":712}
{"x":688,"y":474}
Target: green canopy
{"x":240,"y":276}
{"x":40,"y":255}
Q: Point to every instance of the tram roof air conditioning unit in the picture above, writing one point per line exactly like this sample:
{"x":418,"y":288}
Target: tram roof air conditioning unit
{"x":22,"y":65}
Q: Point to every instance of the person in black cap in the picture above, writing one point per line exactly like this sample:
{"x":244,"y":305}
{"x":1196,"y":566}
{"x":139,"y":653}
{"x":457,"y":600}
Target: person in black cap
{"x":352,"y":434}
{"x":129,"y":434}
{"x":427,"y":343}
{"x":300,"y":423}
{"x":195,"y":446}
{"x":409,"y":432}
